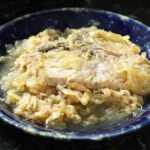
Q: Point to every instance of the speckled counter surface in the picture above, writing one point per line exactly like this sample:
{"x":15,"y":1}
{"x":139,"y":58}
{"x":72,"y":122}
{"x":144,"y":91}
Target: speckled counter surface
{"x":14,"y":139}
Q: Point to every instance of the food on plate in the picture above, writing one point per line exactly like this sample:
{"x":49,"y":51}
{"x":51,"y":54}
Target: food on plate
{"x":80,"y":76}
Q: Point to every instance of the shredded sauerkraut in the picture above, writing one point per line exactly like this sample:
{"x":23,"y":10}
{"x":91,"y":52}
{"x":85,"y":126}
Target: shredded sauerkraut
{"x":80,"y":76}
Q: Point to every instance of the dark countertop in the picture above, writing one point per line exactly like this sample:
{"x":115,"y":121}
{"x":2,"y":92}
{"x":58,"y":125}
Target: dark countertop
{"x":14,"y":139}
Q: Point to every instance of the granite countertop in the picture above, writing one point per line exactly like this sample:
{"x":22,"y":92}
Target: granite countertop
{"x":15,"y":139}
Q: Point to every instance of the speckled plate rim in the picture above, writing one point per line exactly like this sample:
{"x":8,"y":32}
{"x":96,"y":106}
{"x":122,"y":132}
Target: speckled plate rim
{"x":67,"y":134}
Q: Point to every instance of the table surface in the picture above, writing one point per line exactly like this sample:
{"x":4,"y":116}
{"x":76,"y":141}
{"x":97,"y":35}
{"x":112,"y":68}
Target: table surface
{"x":15,"y":139}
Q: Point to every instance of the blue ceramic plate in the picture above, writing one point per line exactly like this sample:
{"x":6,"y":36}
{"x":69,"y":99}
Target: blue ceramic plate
{"x":31,"y":24}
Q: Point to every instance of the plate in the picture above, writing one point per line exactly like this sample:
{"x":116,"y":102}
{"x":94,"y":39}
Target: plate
{"x":31,"y":24}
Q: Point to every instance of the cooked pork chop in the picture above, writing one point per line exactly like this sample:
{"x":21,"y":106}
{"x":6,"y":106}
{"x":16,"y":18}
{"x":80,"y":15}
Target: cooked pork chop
{"x":101,"y":57}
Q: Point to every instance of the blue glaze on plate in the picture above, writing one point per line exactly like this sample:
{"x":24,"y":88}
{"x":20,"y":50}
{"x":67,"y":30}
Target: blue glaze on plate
{"x":31,"y":24}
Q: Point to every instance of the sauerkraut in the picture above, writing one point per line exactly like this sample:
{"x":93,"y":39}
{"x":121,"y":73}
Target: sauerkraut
{"x":80,"y":76}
